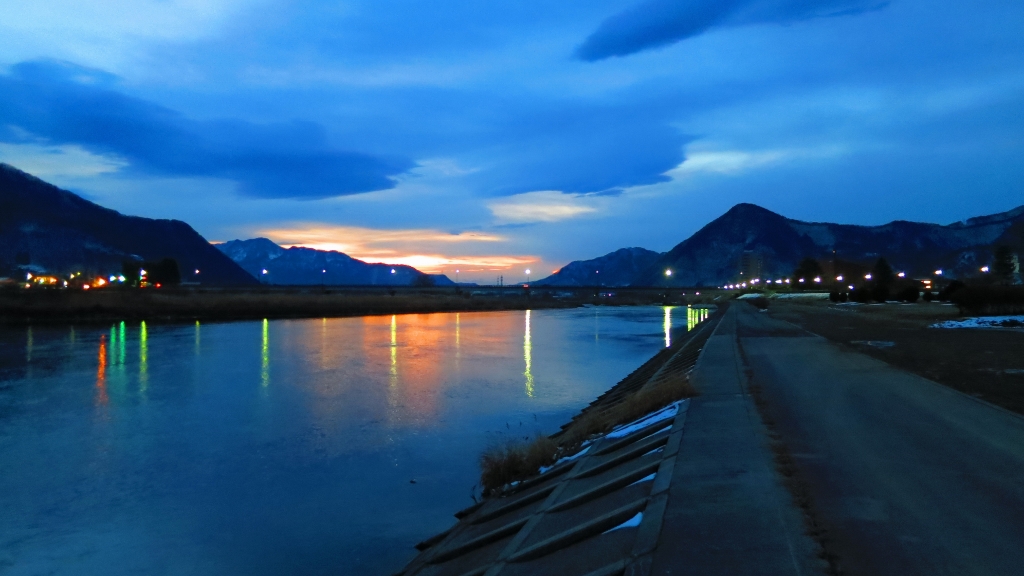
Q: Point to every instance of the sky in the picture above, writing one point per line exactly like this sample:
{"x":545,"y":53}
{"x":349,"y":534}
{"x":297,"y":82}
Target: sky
{"x":496,"y":137}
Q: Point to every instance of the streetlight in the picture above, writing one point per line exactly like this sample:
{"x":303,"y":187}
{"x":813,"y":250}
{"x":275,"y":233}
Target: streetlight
{"x":456,"y":276}
{"x":938,"y":272}
{"x":984,"y":269}
{"x":527,"y":275}
{"x":668,"y":272}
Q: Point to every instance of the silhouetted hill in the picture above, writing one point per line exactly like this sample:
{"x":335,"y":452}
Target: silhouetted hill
{"x":712,"y":255}
{"x":306,"y":266}
{"x":44,"y":228}
{"x":619,"y":268}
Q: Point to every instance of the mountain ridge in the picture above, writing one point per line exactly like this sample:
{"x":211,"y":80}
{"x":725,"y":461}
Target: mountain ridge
{"x":46,"y":228}
{"x":307,"y":266}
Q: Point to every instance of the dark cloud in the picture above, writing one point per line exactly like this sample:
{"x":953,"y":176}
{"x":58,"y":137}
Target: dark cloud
{"x":61,"y":103}
{"x":656,"y":23}
{"x":583,"y":148}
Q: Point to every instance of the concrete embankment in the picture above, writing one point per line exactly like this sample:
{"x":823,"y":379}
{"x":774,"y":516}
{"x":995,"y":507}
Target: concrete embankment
{"x":698,"y":494}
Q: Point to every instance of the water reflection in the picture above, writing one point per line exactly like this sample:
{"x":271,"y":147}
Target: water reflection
{"x":101,"y":372}
{"x":265,"y":355}
{"x":143,"y":358}
{"x":695,"y":316}
{"x":528,"y":357}
{"x":121,"y":344}
{"x":208,"y":462}
{"x":667,"y":325}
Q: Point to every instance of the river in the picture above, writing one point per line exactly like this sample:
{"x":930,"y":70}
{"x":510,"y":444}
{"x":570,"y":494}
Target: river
{"x":315,"y":446}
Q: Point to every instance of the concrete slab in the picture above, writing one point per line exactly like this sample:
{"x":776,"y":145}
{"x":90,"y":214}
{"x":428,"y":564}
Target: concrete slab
{"x":728,"y":511}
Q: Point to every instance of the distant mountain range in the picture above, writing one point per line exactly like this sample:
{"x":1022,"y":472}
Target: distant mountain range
{"x":619,"y":268}
{"x":306,"y":266}
{"x":46,"y":229}
{"x":713,"y":255}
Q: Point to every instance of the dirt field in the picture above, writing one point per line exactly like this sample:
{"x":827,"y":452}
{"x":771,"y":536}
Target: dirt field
{"x":986,"y":363}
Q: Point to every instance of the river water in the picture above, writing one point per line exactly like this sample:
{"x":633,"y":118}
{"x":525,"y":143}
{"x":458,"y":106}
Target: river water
{"x":317,"y":446}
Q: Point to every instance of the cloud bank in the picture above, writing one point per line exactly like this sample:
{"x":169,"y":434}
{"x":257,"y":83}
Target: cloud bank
{"x":657,"y":23}
{"x":55,"y":103}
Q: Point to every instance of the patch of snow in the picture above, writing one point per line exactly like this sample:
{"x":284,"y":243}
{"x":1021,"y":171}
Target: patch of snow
{"x":647,"y":478}
{"x":984,"y":322}
{"x":631,"y":523}
{"x":665,"y":413}
{"x":807,"y":295}
{"x":565,"y":459}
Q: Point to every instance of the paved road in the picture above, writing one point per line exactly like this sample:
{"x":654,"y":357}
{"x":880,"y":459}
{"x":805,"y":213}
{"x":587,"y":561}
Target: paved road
{"x":908,"y":477}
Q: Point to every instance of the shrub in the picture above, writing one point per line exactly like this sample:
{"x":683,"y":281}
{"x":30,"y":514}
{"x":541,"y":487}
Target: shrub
{"x":989,"y":299}
{"x":947,"y":293}
{"x":908,"y":294}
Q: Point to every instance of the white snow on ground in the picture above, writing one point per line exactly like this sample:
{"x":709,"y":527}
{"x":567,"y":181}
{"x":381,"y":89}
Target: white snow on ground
{"x":665,"y":413}
{"x":632,"y":522}
{"x":808,"y":295}
{"x":563,"y":459}
{"x":984,"y":322}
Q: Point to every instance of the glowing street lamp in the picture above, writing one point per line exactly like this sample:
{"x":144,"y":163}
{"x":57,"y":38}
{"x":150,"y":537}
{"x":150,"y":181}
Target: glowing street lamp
{"x":456,"y":275}
{"x":527,"y":275}
{"x":938,"y":272}
{"x":867,"y":276}
{"x":984,"y":269}
{"x":902,"y":274}
{"x":392,"y":270}
{"x":668,"y":272}
{"x":839,"y":278}
{"x":817,"y":279}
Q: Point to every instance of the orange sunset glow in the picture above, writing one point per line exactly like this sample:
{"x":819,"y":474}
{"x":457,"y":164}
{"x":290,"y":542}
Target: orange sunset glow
{"x":427,"y":250}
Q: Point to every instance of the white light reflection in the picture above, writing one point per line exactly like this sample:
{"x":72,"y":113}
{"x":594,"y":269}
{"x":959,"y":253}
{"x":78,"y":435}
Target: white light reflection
{"x":528,"y":357}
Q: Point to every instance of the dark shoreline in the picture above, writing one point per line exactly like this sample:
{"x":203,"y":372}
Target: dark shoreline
{"x":183,"y":304}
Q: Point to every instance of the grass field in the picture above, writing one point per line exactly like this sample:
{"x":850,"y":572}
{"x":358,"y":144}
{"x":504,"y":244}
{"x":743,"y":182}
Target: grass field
{"x":985,"y":363}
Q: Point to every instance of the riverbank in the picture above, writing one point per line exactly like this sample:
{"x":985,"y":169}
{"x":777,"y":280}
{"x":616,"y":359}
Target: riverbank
{"x":193,"y":303}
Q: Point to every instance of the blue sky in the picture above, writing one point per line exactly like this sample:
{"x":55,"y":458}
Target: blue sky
{"x":495,"y":137}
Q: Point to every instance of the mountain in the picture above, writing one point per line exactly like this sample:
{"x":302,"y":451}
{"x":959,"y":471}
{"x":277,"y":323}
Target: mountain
{"x":46,"y":229}
{"x":619,"y":268}
{"x":775,"y":244}
{"x":306,"y":266}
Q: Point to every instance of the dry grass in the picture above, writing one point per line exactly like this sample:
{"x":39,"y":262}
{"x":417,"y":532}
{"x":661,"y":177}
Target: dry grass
{"x":651,"y":397}
{"x":515,"y":460}
{"x":518,"y":461}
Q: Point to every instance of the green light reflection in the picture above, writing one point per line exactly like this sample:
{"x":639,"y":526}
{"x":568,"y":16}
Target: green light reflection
{"x":143,"y":358}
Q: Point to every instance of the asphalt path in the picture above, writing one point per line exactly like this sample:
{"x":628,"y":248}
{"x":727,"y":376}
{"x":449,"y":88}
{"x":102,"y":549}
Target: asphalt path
{"x":907,"y":476}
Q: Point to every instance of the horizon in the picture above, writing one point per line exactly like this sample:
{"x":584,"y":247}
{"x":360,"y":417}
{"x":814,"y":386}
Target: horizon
{"x":502,"y":138}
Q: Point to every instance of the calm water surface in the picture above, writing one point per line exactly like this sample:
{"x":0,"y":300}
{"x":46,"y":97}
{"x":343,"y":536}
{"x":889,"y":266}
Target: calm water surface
{"x":282,"y":447}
